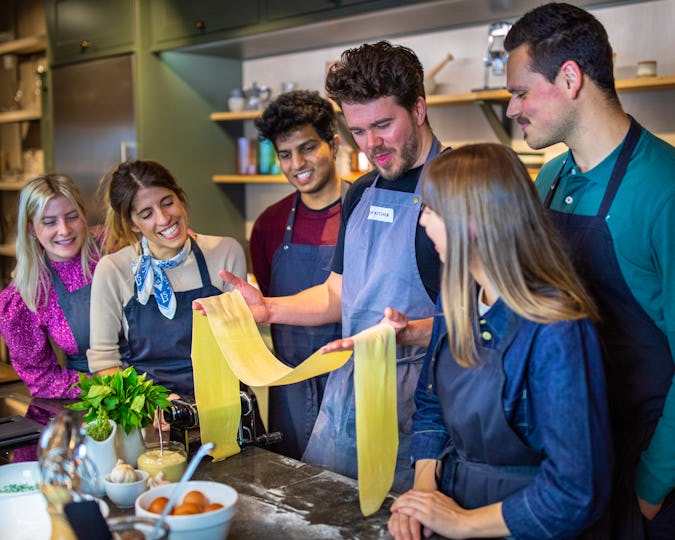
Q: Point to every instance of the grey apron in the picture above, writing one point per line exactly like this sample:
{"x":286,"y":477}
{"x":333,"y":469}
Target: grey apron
{"x":380,"y":270}
{"x":75,"y":307}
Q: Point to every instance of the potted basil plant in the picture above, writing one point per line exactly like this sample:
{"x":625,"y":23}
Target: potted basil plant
{"x":123,"y":402}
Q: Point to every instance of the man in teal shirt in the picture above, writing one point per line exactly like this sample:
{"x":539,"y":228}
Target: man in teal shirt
{"x":612,"y":196}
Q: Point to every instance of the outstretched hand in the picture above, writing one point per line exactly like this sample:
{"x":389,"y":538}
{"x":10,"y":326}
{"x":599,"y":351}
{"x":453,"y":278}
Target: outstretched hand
{"x":397,"y":320}
{"x":394,"y":318}
{"x":252,"y":296}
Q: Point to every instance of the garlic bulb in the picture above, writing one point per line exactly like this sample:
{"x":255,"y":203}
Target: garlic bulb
{"x":157,"y":480}
{"x":122,"y":473}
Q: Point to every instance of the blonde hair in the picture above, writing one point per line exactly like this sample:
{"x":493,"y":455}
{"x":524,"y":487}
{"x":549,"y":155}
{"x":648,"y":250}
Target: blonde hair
{"x":31,"y":276}
{"x":119,"y":188}
{"x":491,"y":211}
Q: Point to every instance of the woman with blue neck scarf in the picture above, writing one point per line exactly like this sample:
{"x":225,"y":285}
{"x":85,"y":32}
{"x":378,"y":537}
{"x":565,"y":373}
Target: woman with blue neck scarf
{"x":142,"y":292}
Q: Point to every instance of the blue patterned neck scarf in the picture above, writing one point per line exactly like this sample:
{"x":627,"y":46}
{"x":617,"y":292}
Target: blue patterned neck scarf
{"x":150,"y":277}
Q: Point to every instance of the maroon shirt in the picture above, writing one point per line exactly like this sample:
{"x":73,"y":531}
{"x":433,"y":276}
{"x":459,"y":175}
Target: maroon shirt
{"x":312,"y":227}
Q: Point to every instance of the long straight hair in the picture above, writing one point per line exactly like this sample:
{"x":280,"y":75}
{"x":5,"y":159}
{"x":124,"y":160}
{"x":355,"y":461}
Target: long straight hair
{"x":31,"y":277}
{"x":492,"y":213}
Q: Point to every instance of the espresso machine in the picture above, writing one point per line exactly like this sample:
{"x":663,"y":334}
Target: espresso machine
{"x":495,"y":59}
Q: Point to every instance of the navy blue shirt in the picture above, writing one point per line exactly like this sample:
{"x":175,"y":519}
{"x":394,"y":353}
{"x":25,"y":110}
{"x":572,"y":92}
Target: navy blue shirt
{"x":428,"y":263}
{"x":554,"y":398}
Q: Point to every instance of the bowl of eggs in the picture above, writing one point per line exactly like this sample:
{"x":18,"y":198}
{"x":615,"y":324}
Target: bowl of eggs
{"x":203,"y":510}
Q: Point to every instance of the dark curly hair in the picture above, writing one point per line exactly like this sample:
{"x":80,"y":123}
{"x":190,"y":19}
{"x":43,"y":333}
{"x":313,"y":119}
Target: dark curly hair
{"x":376,"y":70}
{"x":294,"y":110}
{"x":556,"y":33}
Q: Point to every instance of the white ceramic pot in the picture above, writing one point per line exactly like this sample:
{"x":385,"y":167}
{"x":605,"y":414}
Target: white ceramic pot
{"x":104,"y":456}
{"x":130,"y":446}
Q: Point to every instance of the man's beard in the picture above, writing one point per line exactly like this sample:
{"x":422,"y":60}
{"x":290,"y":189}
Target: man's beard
{"x":408,"y":157}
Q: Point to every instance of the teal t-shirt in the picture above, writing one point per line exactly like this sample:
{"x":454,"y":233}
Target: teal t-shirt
{"x":641,"y":221}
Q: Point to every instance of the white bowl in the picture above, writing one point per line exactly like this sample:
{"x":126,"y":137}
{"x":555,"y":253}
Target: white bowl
{"x":213,"y":525}
{"x":24,"y":474}
{"x":124,"y":495}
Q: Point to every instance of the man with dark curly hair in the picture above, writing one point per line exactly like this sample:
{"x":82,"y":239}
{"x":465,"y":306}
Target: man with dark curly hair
{"x":292,"y":244}
{"x":383,"y":258}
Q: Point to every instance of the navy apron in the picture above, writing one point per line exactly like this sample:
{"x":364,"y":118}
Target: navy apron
{"x":380,"y":270}
{"x":293,"y":408}
{"x":486,"y":460}
{"x":75,"y":307}
{"x":629,"y":338}
{"x":162,"y":347}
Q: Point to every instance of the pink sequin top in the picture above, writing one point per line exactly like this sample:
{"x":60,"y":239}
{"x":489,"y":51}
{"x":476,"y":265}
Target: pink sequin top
{"x":27,"y":336}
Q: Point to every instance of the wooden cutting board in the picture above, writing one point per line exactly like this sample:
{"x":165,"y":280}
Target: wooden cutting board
{"x":7,"y":374}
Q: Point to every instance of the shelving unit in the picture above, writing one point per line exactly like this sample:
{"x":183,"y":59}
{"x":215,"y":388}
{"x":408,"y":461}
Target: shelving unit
{"x":485,"y":99}
{"x":21,"y":99}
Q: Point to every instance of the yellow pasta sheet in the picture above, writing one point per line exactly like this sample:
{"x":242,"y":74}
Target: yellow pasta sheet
{"x":227,"y":348}
{"x":376,"y":416}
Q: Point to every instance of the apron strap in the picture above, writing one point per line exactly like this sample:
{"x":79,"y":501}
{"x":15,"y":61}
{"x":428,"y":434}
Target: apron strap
{"x":629,"y":144}
{"x":620,"y":166}
{"x":201,"y":264}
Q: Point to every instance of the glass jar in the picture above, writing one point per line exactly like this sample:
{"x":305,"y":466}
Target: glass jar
{"x":171,"y":460}
{"x":121,"y":528}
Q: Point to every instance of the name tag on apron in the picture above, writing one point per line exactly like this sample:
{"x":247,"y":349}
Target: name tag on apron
{"x":380,"y":213}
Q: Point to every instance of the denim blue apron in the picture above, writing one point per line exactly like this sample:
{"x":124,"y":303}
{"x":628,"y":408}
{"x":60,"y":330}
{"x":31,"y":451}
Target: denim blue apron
{"x":162,"y":347}
{"x":637,"y":355}
{"x":486,"y":460}
{"x":293,"y":408}
{"x":380,"y":270}
{"x":75,"y":307}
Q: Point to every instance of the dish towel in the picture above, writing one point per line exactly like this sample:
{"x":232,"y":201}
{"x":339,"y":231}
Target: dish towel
{"x":227,"y":348}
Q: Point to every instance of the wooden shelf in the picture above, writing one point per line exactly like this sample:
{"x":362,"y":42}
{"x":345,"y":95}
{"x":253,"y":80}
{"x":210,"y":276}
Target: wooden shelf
{"x":19,"y":116}
{"x":235,"y":116}
{"x":248,"y":179}
{"x":644,"y":84}
{"x":640,"y":84}
{"x":7,"y":250}
{"x":11,"y":185}
{"x":266,"y":178}
{"x":26,"y":45}
{"x":482,"y":98}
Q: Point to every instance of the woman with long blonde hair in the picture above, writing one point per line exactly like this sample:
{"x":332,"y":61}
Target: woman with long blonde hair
{"x":511,"y":434}
{"x":48,"y":296}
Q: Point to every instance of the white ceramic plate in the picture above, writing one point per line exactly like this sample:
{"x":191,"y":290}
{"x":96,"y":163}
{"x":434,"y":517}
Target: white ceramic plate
{"x":24,"y":517}
{"x":27,"y":472}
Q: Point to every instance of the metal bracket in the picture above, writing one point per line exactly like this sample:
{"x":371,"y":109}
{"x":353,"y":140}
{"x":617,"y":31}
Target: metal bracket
{"x":501,"y":126}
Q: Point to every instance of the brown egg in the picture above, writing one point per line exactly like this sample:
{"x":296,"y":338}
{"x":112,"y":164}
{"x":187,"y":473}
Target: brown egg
{"x":186,"y":509}
{"x":157,"y":506}
{"x":212,"y":506}
{"x":196,"y":497}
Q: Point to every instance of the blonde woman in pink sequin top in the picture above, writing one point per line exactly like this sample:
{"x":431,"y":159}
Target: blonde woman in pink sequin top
{"x":48,"y":296}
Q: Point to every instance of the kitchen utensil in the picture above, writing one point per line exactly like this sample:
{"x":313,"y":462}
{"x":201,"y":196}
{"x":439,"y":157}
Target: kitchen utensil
{"x":288,"y":86}
{"x":429,"y":77}
{"x":237,"y":101}
{"x":496,"y":55}
{"x":257,"y":97}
